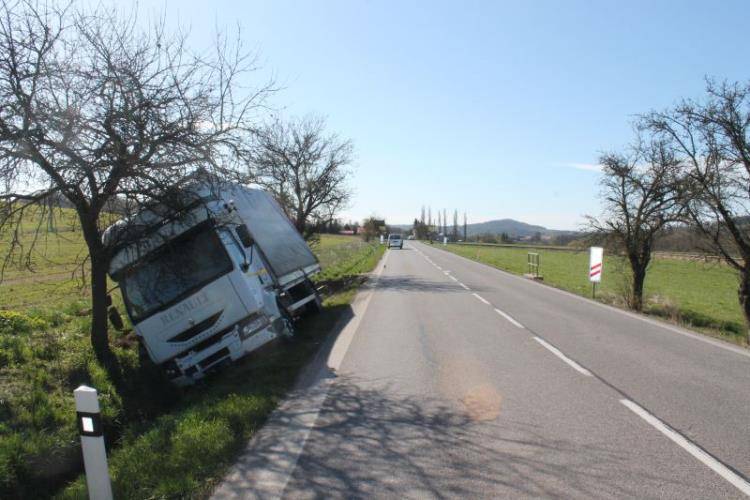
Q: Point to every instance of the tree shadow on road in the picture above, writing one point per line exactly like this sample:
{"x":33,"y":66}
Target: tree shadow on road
{"x":407,"y":283}
{"x":370,"y":441}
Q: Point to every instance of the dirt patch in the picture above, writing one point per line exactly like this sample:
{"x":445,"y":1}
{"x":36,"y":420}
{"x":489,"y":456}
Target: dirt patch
{"x":482,"y":403}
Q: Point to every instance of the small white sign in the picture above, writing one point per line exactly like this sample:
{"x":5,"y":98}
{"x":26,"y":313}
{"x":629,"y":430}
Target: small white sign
{"x":596,"y":262}
{"x":382,"y":239}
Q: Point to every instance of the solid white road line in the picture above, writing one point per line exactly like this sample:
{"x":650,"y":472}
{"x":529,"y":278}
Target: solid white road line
{"x":281,"y":446}
{"x":554,"y":350}
{"x":732,"y":477}
{"x":506,"y":316}
{"x":466,"y":287}
{"x":453,"y":278}
{"x":480,"y":298}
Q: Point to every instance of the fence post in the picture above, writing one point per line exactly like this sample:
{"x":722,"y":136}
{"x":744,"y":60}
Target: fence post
{"x":92,"y":443}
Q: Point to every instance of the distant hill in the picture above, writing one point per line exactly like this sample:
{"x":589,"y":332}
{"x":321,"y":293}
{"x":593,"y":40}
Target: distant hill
{"x":509,"y":226}
{"x":512,"y":227}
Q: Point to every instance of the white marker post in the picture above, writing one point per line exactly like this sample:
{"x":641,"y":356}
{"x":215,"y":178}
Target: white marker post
{"x":92,"y":443}
{"x":445,"y":240}
{"x":596,"y":262}
{"x":382,"y":239}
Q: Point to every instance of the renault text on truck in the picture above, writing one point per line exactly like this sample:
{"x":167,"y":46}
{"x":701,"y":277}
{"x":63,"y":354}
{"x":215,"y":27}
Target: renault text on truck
{"x":212,"y":280}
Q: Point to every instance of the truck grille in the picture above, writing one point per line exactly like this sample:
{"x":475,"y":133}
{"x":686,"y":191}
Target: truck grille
{"x":196,"y":329}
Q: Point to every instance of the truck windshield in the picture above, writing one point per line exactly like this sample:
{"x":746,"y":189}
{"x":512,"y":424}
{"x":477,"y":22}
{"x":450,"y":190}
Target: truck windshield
{"x":173,"y":272}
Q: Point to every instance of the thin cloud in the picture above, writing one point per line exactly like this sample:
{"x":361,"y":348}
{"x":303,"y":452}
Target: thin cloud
{"x":591,"y":167}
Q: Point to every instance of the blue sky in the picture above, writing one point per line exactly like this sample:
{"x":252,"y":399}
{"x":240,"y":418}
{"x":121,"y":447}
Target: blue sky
{"x":494,"y":108}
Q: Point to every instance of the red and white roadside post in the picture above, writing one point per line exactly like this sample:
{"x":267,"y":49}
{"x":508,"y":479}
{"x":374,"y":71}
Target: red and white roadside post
{"x":596,"y":262}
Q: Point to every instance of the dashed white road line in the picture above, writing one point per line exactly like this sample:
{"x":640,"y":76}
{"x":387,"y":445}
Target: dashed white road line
{"x":509,"y":318}
{"x":733,"y":478}
{"x":453,"y":278}
{"x":554,"y":350}
{"x":704,"y":457}
{"x":479,"y":297}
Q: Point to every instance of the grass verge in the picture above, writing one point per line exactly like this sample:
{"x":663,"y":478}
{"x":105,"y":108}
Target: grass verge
{"x":700,"y":295}
{"x":163,"y":442}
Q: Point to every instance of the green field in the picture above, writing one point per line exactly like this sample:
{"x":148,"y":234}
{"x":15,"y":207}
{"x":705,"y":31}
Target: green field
{"x":163,"y":442}
{"x":699,"y":294}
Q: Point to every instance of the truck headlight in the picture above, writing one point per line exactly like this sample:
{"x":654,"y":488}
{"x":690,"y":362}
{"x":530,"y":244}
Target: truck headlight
{"x":252,"y":324}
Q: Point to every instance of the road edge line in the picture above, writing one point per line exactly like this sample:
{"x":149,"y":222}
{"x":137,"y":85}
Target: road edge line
{"x":696,"y":451}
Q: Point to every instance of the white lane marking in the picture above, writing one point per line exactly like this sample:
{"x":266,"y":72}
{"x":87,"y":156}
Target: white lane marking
{"x":672,"y":328}
{"x":509,"y":318}
{"x":281,"y":446}
{"x":480,"y":298}
{"x":732,"y":477}
{"x":466,"y":287}
{"x":438,"y":267}
{"x":554,"y":350}
{"x":453,"y":278}
{"x":340,"y":348}
{"x":447,"y":273}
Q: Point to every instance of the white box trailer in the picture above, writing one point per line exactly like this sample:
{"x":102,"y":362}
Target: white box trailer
{"x":209,"y":282}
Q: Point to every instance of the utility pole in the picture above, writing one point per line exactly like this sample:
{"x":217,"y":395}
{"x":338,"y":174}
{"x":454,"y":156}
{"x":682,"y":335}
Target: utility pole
{"x":445,"y":223}
{"x":465,"y":238}
{"x":455,"y":224}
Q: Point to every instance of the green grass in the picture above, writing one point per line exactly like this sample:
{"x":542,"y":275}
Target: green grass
{"x":695,"y":293}
{"x":49,"y":266}
{"x":163,"y":442}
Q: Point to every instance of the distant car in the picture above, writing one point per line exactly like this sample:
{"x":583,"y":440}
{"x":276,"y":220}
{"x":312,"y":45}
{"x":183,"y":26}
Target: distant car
{"x":394,"y":240}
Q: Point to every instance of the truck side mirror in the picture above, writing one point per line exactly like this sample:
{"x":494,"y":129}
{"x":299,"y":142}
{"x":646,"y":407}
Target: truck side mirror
{"x":244,"y":234}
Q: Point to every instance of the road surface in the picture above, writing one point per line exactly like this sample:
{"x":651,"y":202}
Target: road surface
{"x":455,"y":380}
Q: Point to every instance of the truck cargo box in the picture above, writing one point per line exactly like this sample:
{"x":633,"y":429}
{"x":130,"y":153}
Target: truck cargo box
{"x":283,"y":247}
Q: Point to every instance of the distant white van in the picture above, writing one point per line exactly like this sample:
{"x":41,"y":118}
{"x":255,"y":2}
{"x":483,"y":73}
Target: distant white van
{"x":394,"y":240}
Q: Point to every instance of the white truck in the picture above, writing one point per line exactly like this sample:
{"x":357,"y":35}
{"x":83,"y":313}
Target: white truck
{"x":209,"y":282}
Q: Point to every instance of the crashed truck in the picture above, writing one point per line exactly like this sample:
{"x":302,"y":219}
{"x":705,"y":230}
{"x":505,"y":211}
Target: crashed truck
{"x":211,"y":278}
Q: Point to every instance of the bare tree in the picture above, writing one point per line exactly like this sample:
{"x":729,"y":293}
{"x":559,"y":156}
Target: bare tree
{"x":454,"y":234}
{"x":640,"y":194}
{"x":99,"y":111}
{"x":306,"y":169}
{"x":712,"y":140}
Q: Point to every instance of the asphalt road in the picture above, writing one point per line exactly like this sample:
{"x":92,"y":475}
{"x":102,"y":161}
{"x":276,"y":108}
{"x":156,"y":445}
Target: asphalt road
{"x":451,"y":379}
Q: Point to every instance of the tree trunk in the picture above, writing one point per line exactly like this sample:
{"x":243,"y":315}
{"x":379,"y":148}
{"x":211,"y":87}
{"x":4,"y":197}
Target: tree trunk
{"x":638,"y":265}
{"x":744,"y":296}
{"x":99,"y":304}
{"x":99,"y":299}
{"x":636,"y":297}
{"x":299,"y":223}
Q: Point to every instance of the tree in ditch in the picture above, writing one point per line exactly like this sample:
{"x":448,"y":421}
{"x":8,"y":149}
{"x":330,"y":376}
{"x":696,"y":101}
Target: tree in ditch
{"x":99,"y":111}
{"x":711,"y":138}
{"x":640,"y":197}
{"x":305,"y":168}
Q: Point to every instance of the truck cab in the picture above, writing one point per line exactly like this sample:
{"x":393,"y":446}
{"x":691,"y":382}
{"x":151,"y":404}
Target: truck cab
{"x":199,"y":286}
